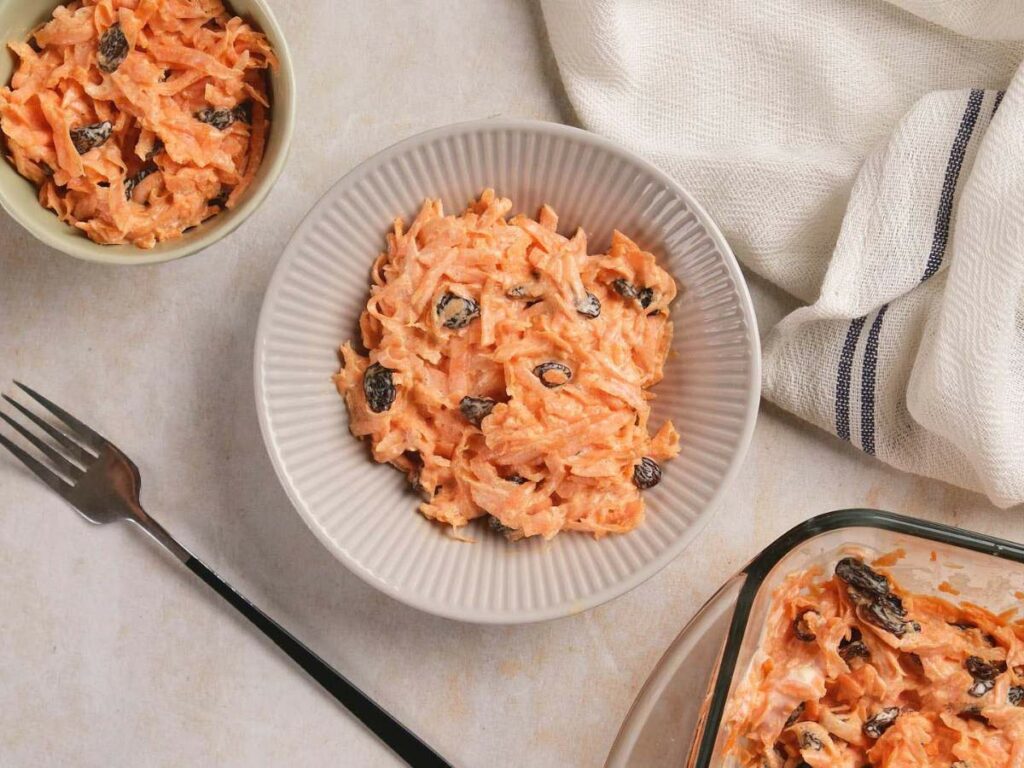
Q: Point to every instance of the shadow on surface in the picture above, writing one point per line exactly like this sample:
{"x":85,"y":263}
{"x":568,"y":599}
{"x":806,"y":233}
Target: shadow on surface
{"x":566,"y":111}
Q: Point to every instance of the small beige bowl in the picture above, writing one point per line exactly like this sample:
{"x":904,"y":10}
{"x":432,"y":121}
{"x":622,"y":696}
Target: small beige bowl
{"x":18,"y":195}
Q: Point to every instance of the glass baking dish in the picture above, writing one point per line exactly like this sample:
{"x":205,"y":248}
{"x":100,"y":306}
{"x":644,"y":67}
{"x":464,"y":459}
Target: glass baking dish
{"x":675,"y":720}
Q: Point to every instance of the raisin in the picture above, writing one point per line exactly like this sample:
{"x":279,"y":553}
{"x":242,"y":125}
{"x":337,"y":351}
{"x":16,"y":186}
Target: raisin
{"x":133,"y":181}
{"x":795,"y":715}
{"x":624,"y":288}
{"x":379,"y":388}
{"x":527,"y":292}
{"x":800,"y":628}
{"x":418,"y":487}
{"x":113,"y":49}
{"x":476,"y":409}
{"x":852,"y":647}
{"x":457,"y":311}
{"x":646,"y":474}
{"x":552,"y":374}
{"x":90,"y":136}
{"x":855,"y":573}
{"x":872,"y":594}
{"x":854,"y":650}
{"x":589,"y":307}
{"x":973,"y":713}
{"x":416,"y":477}
{"x":984,"y":670}
{"x":892,"y":605}
{"x":809,"y":741}
{"x":243,"y":112}
{"x":1016,"y":695}
{"x":888,"y":613}
{"x":221,"y":119}
{"x":980,"y":687}
{"x":497,"y":526}
{"x":415,"y":471}
{"x":881,"y":721}
{"x":984,"y":674}
{"x":221,"y":200}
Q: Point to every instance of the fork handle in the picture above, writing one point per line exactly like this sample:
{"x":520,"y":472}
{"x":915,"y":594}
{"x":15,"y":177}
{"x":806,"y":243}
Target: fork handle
{"x":403,"y":741}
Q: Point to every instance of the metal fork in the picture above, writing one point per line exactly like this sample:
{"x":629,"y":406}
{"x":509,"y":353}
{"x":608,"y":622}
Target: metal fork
{"x":98,"y":480}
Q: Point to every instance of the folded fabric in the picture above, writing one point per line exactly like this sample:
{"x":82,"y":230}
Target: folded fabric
{"x":867,"y":158}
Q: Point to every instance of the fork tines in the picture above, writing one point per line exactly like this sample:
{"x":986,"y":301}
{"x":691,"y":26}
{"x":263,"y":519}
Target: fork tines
{"x":72,"y":449}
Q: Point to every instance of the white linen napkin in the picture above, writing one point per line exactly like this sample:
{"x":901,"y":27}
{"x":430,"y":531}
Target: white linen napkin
{"x":868,"y":158}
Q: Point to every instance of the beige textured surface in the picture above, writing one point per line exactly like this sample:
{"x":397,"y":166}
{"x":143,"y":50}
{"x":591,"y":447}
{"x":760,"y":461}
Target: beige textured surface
{"x":112,"y":654}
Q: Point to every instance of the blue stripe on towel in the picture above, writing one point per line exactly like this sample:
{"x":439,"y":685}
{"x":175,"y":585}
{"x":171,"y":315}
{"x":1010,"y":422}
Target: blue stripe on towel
{"x":844,"y":375}
{"x":868,"y":376}
{"x":940,"y":238}
{"x":956,"y":159}
{"x":998,"y":100}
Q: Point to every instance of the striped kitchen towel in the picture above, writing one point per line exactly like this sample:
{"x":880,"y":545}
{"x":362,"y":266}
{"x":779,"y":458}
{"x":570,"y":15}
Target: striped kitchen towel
{"x":867,"y":158}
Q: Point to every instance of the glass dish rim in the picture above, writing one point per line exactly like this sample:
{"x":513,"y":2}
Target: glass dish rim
{"x":759,"y":568}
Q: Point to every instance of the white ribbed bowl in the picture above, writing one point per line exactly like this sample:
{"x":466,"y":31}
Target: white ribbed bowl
{"x":364,"y":512}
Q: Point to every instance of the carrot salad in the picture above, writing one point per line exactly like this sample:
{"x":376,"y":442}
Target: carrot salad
{"x":852,"y":671}
{"x":508,"y":371}
{"x":138,"y":119}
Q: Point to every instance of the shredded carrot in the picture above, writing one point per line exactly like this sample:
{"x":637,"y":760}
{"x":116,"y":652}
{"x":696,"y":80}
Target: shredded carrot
{"x":948,"y":588}
{"x":945,"y":689}
{"x":890,"y":558}
{"x":138,"y":119}
{"x":508,"y":371}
